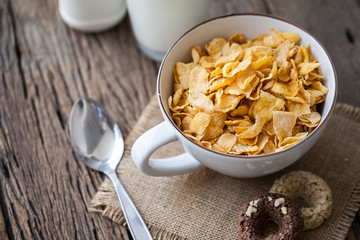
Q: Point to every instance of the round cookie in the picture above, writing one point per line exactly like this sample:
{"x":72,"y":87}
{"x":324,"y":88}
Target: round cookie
{"x":270,"y":207}
{"x":312,"y":189}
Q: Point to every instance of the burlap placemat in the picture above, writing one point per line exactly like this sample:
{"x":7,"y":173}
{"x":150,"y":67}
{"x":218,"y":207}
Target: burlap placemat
{"x":206,"y":204}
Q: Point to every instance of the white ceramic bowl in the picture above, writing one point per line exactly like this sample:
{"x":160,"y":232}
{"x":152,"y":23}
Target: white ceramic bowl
{"x":197,"y":156}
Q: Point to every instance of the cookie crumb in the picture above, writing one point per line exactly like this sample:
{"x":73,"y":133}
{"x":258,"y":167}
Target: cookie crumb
{"x":254,"y":203}
{"x":279,"y":201}
{"x":284,"y":210}
{"x":250,"y":210}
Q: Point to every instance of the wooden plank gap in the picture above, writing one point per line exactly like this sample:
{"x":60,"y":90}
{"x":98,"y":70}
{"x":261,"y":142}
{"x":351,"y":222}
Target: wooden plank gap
{"x":18,"y":48}
{"x":58,"y":108}
{"x":37,"y":120}
{"x":32,"y":230}
{"x":75,"y":220}
{"x":81,"y":76}
{"x":77,"y":161}
{"x":16,"y":218}
{"x":349,"y":36}
{"x":12,"y":154}
{"x":5,"y":231}
{"x":67,"y":91}
{"x":95,"y":234}
{"x":81,"y":191}
{"x":4,"y":81}
{"x":93,"y":180}
{"x":116,"y":96}
{"x":70,"y":176}
{"x":3,"y":130}
{"x":76,"y":56}
{"x":358,"y":3}
{"x":5,"y":168}
{"x":38,"y":67}
{"x":32,"y":207}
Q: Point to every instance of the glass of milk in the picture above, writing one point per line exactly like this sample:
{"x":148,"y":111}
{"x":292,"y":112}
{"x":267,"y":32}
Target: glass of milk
{"x":92,"y":15}
{"x":157,"y":24}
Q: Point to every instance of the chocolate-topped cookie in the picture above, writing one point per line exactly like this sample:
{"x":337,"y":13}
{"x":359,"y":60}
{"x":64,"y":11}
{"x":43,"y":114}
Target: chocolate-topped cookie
{"x":270,"y":207}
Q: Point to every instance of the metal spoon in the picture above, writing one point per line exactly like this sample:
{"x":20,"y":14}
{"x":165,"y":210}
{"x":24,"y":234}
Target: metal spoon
{"x":98,"y":142}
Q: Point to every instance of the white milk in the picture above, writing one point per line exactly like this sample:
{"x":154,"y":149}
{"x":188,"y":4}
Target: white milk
{"x":158,"y":23}
{"x":92,"y":15}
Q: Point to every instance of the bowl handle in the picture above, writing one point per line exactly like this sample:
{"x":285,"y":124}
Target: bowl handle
{"x":149,"y":142}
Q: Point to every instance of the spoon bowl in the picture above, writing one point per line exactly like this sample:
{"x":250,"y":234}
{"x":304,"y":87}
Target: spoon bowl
{"x":96,"y":138}
{"x":98,"y":142}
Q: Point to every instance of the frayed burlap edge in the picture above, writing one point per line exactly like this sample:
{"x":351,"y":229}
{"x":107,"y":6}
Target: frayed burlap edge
{"x":350,"y":211}
{"x":348,"y":110}
{"x":354,"y":201}
{"x":106,"y":195}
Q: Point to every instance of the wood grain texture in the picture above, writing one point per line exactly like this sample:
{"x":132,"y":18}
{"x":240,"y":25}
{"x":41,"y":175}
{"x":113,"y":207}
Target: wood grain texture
{"x":45,"y":67}
{"x":44,"y":189}
{"x":336,"y":25}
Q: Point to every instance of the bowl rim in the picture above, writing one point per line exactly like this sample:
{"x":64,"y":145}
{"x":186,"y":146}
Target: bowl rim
{"x":322,"y":123}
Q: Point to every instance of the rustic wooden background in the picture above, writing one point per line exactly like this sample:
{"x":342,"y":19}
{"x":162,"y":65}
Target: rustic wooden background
{"x":45,"y":67}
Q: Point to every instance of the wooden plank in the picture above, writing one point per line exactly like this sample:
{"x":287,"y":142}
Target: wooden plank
{"x":48,"y":66}
{"x":44,"y":189}
{"x":223,"y":7}
{"x":8,"y":60}
{"x":115,"y":72}
{"x":45,"y":66}
{"x":3,"y":233}
{"x":337,"y":30}
{"x":336,"y":25}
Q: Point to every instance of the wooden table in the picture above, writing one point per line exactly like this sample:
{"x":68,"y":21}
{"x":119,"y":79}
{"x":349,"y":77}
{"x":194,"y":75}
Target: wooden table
{"x":45,"y":67}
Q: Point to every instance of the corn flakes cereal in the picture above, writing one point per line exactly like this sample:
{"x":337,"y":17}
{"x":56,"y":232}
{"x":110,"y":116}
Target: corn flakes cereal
{"x":248,"y":96}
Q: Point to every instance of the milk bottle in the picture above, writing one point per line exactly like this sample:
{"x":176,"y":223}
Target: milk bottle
{"x":157,"y":24}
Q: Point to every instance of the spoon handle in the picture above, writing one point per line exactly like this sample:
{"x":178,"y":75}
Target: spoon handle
{"x":136,"y":224}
